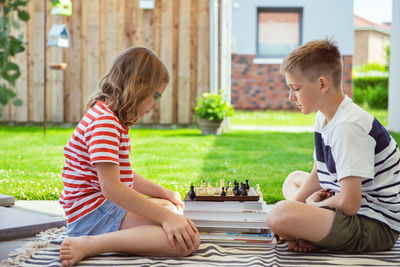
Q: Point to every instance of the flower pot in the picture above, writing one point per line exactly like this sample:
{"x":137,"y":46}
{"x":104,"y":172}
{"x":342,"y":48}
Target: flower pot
{"x":210,"y":127}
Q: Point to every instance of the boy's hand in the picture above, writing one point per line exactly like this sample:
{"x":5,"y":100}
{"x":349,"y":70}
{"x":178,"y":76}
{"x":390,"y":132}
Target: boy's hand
{"x":318,"y":196}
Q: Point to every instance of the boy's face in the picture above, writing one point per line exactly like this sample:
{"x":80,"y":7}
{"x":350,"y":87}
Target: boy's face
{"x":304,"y":94}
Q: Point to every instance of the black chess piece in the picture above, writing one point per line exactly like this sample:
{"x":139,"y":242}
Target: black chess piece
{"x":227,"y":187}
{"x":223,"y":193}
{"x":236,"y":190}
{"x":242,"y":190}
{"x":192,"y":194}
{"x":247,"y":185}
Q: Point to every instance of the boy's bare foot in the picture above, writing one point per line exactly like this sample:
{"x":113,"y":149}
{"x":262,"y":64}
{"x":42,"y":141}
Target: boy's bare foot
{"x":301,"y":245}
{"x":72,"y":250}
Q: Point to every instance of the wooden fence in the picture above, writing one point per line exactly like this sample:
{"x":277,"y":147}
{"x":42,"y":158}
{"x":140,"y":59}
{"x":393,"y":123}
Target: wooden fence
{"x":177,"y":30}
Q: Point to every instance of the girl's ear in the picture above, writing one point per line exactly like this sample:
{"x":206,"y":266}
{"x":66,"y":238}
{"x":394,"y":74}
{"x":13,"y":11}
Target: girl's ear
{"x":323,"y":83}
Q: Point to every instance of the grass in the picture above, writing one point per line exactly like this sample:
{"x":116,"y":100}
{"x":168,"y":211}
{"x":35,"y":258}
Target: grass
{"x":283,"y":118}
{"x":31,"y":163}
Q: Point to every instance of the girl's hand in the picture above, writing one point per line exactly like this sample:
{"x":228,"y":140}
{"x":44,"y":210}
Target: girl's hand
{"x":180,"y":229}
{"x":318,"y":196}
{"x":174,"y":197}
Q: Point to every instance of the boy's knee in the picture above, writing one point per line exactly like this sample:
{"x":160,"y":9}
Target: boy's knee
{"x":279,"y":214}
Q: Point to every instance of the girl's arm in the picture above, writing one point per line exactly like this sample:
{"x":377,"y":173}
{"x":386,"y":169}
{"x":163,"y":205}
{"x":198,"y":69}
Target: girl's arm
{"x":148,"y":188}
{"x":177,"y":227}
{"x":348,"y":200}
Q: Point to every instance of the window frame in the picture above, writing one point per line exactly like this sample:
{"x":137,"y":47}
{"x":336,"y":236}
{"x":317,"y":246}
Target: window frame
{"x":298,"y":10}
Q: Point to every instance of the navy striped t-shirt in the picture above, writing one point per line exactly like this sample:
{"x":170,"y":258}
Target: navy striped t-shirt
{"x":354,"y":143}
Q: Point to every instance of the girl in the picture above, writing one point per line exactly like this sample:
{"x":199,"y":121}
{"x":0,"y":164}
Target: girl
{"x":102,"y":197}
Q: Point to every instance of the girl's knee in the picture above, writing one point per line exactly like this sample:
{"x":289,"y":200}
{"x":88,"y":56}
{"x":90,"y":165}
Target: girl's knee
{"x":184,"y":253}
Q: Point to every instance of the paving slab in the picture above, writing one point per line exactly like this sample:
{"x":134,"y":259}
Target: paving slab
{"x":6,"y":200}
{"x":6,"y":247}
{"x":18,"y":223}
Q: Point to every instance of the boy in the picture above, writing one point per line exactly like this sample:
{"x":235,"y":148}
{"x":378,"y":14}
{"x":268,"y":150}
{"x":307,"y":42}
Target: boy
{"x":350,"y":201}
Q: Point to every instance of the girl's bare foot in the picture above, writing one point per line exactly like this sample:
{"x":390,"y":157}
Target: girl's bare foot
{"x":301,"y":245}
{"x":73,"y":249}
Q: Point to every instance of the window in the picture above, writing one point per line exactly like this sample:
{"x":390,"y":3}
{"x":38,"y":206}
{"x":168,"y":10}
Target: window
{"x":278,"y":31}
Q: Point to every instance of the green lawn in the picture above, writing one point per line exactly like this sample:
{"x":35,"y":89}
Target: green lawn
{"x":31,"y":163}
{"x":283,"y":118}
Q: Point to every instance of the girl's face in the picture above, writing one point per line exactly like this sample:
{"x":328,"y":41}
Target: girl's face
{"x":151,"y":102}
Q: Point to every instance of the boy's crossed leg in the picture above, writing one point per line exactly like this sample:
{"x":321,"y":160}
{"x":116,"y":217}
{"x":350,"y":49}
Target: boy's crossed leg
{"x":300,"y":224}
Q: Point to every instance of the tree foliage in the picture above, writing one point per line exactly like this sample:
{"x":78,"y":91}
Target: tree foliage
{"x":12,"y":12}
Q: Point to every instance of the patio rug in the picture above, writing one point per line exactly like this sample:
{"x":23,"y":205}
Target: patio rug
{"x":45,"y":252}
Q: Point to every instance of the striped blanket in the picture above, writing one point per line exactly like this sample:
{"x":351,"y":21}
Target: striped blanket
{"x":214,"y":255}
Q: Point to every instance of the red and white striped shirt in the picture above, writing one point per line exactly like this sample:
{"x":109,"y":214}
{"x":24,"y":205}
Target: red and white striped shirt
{"x":99,"y":137}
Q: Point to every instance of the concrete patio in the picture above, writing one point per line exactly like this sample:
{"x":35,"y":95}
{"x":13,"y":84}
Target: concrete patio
{"x":20,"y":222}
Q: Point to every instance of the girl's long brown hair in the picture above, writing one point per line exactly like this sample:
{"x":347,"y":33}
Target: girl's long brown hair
{"x":134,"y":76}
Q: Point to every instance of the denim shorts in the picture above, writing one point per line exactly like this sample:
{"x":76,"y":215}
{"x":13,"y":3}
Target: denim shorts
{"x":106,"y":218}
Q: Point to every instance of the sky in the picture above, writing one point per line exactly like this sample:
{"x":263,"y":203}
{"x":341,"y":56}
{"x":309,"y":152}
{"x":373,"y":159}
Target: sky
{"x":377,"y":11}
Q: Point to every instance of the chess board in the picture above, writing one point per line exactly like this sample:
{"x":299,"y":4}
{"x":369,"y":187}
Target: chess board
{"x":252,"y":195}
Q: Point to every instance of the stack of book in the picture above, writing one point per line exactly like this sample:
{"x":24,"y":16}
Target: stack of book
{"x":231,"y":223}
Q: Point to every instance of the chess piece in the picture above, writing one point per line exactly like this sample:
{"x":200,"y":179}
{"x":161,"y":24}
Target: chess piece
{"x":223,"y":193}
{"x":236,"y":190}
{"x":209,"y":189}
{"x":192,"y":194}
{"x":259,"y":191}
{"x":242,"y":190}
{"x":228,"y":186}
{"x":247,"y":185}
{"x":216,"y":189}
{"x":229,"y":191}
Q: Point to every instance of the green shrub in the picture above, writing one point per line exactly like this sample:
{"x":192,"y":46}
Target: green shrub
{"x":213,"y":106}
{"x":359,"y":96}
{"x":377,"y":97}
{"x":371,"y":66}
{"x":364,"y":82}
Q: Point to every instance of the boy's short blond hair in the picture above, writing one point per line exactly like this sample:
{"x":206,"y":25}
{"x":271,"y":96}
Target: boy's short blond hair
{"x":314,"y":59}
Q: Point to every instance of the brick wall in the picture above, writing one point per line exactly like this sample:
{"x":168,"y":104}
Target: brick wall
{"x":262,"y":86}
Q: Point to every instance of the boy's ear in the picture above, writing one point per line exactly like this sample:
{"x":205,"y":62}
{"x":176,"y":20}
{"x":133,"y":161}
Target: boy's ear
{"x":323,"y":83}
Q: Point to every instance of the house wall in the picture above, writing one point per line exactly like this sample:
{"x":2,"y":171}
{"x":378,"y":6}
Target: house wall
{"x":361,"y":47}
{"x":257,"y":82}
{"x":376,"y":49}
{"x":370,"y":47}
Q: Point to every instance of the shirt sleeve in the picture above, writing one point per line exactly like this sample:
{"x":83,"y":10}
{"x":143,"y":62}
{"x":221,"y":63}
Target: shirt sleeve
{"x":103,"y":140}
{"x":353,"y":151}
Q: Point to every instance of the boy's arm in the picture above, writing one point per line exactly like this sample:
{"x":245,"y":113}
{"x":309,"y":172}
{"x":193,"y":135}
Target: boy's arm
{"x":309,"y":185}
{"x":348,"y":200}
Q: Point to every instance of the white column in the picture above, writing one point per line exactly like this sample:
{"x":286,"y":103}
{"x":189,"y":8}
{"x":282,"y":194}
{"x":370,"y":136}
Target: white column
{"x":213,"y":5}
{"x":226,"y":40}
{"x":226,"y":54}
{"x":394,"y":72}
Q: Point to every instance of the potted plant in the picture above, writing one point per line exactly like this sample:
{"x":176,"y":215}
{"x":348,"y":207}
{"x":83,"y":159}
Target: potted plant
{"x":210,"y":111}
